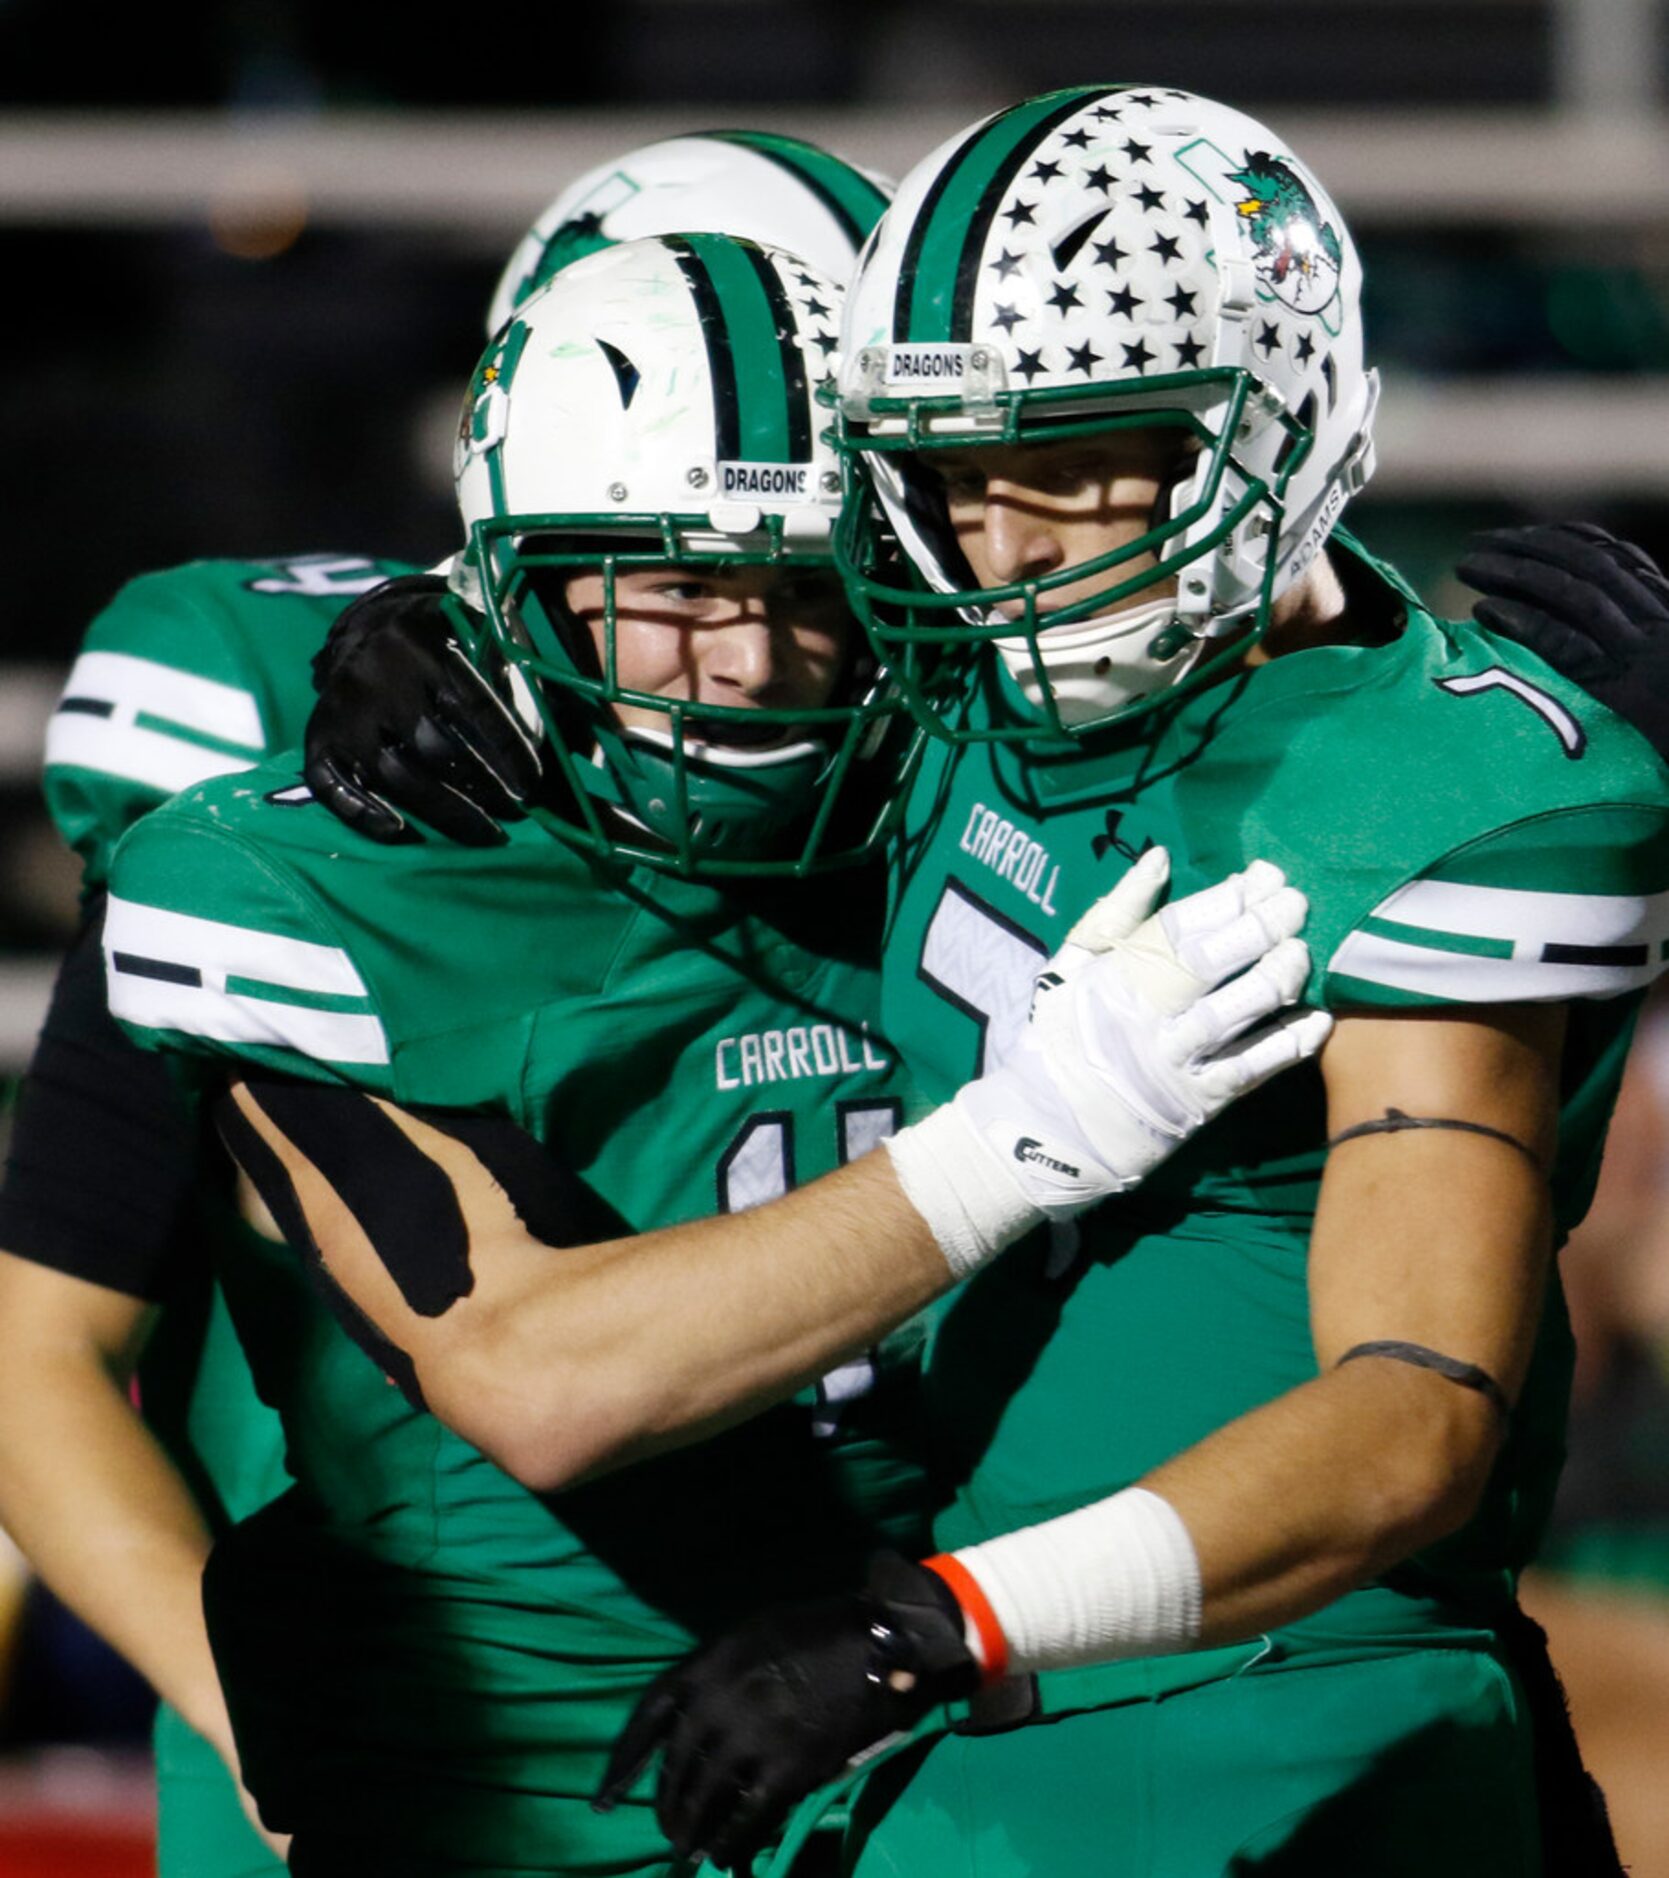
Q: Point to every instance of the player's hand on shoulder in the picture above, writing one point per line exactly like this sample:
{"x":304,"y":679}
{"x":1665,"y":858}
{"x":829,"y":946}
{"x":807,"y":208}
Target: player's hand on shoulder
{"x":1144,"y":1026}
{"x":1596,"y":608}
{"x":754,"y":1721}
{"x":407,"y":726}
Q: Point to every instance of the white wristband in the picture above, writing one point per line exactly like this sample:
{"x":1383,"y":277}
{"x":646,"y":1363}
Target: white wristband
{"x":960,"y":1188}
{"x":1117,"y":1578}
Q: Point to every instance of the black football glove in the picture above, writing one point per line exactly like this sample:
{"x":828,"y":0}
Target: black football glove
{"x":1595,"y":608}
{"x":767,"y":1713}
{"x":406,"y":725}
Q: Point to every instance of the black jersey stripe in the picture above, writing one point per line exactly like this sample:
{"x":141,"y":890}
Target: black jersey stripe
{"x":1626,"y":956}
{"x":133,"y":965}
{"x":795,"y":386}
{"x":721,"y":364}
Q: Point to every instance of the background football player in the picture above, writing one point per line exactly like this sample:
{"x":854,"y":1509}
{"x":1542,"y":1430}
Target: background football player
{"x":112,"y":1204}
{"x":1289,"y":1434}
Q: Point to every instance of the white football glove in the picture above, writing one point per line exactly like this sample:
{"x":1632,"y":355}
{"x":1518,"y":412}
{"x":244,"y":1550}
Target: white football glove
{"x":1143,"y":1027}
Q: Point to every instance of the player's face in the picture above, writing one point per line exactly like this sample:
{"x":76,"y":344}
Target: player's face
{"x":746,"y":637}
{"x":1023,"y":511}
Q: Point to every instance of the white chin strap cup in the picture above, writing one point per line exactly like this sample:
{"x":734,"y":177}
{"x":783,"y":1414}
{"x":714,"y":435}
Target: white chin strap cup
{"x":1096,"y":666}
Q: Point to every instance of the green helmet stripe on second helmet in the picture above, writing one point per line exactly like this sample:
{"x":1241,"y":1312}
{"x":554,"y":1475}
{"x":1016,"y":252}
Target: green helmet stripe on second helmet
{"x":849,"y":196}
{"x":753,"y":395}
{"x":941,"y":260}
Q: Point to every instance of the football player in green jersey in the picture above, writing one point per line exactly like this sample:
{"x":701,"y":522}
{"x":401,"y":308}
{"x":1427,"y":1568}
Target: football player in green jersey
{"x":1242,"y":1470}
{"x":425,"y":1661}
{"x":192,"y":673}
{"x":1103,"y":371}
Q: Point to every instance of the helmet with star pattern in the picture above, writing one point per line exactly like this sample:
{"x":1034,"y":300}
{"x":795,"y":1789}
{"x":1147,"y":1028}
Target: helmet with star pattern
{"x":758,"y":184}
{"x":1101,"y":259}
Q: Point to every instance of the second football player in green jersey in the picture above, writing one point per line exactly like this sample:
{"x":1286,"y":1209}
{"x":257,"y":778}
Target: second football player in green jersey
{"x":1424,"y":786}
{"x":425,"y":1660}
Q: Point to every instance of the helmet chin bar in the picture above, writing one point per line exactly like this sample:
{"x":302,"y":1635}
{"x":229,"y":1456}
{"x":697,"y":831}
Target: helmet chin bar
{"x":1093,"y":668}
{"x":684,"y":791}
{"x":714,"y":791}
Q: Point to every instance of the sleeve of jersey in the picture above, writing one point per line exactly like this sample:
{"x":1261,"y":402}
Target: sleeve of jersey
{"x":215,"y":949}
{"x":1573,"y":904}
{"x":156,"y":702}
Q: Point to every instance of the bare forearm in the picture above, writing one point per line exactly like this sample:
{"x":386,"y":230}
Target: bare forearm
{"x":103,"y":1516}
{"x":646,"y":1343}
{"x":1302,"y":1500}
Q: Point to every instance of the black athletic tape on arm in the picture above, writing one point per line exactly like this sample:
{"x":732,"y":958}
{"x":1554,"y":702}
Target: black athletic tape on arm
{"x":549,"y":1198}
{"x":274,"y":1186}
{"x":1395,"y":1122}
{"x":405,"y":1203}
{"x":1450,"y":1368}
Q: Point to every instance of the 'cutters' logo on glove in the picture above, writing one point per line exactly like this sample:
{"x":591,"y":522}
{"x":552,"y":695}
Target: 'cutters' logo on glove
{"x":1025,"y":1149}
{"x":1044,"y":981}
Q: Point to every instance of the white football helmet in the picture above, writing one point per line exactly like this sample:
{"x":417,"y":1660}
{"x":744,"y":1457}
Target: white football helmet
{"x":1105,"y":258}
{"x":779,"y":191}
{"x":655,"y":404}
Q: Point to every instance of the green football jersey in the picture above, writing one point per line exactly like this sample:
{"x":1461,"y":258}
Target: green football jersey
{"x":193,"y":672}
{"x":189,"y":673}
{"x":1470,"y":829}
{"x":426,"y":1661}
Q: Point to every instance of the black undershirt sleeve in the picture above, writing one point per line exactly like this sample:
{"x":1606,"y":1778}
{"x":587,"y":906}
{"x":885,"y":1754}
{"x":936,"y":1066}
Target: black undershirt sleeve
{"x":105,"y":1153}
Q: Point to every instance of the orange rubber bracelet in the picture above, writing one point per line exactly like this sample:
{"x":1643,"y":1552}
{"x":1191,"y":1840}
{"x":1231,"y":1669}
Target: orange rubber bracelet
{"x":976,"y":1607}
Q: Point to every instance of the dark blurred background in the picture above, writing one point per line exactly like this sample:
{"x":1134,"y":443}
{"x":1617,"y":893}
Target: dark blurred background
{"x":245,"y":256}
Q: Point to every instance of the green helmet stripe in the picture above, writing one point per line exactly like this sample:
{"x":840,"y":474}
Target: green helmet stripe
{"x":721,"y":366}
{"x":797,"y":393}
{"x":751,"y":399}
{"x":849,"y":196}
{"x":941,"y":258}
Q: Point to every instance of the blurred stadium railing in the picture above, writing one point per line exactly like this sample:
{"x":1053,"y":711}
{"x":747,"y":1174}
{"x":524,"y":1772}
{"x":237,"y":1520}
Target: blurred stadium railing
{"x":195,"y":275}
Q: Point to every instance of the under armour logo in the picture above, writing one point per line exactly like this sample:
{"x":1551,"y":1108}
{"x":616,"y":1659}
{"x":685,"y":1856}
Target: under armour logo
{"x":1110,"y":839}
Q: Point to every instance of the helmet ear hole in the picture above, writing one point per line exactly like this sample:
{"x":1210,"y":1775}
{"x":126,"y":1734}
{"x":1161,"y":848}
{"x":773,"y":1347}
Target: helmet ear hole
{"x":1180,"y":474}
{"x":1304,"y":421}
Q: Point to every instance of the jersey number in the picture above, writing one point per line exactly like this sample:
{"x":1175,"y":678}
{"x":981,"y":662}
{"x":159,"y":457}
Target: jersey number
{"x":759,"y":1166}
{"x":984,"y":965}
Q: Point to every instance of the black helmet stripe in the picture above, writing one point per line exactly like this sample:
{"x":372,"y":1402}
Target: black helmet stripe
{"x":849,"y":196}
{"x":911,"y":264}
{"x":955,"y":217}
{"x":793,"y":359}
{"x":721,"y":364}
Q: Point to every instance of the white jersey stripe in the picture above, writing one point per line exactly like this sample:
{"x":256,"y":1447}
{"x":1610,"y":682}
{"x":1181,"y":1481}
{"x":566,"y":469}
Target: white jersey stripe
{"x":1465,"y":978}
{"x":217,"y":951}
{"x":1530,"y":919}
{"x":132,"y":685}
{"x":152,"y":757}
{"x":203,"y":1011}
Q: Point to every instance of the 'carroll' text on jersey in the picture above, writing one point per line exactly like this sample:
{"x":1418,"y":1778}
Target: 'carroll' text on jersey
{"x":1012,"y":855}
{"x":760,"y":1056}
